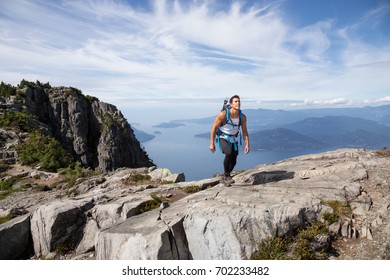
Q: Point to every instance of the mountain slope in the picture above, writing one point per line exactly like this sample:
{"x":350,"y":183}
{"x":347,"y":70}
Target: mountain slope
{"x":283,"y":139}
{"x":343,"y":131}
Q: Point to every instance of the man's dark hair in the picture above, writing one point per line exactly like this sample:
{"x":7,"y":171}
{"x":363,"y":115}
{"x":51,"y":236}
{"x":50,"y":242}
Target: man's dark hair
{"x":231,"y":98}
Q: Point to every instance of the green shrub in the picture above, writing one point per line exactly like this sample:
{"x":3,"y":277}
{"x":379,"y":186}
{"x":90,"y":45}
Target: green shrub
{"x":6,"y":186}
{"x":45,"y":151}
{"x":151,"y":204}
{"x":303,"y":249}
{"x":4,"y":219}
{"x":91,"y":99}
{"x":297,"y":247}
{"x":75,"y":173}
{"x":15,"y":119}
{"x":71,"y":91}
{"x":74,"y":170}
{"x":7,"y":90}
{"x":147,"y":206}
{"x":330,"y":218}
{"x":46,"y":85}
{"x":4,"y":194}
{"x":4,"y":166}
{"x":156,"y":198}
{"x":237,"y":172}
{"x":272,"y":249}
{"x":339,"y":208}
{"x":25,"y":83}
{"x":312,"y":231}
{"x":137,"y":178}
{"x":192,"y":189}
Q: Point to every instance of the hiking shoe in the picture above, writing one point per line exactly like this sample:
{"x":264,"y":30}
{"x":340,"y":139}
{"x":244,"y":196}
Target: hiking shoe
{"x":229,"y":180}
{"x":223,"y":181}
{"x":226,"y":181}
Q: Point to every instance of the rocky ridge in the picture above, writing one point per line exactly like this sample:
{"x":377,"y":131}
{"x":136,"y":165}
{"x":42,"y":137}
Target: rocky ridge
{"x":105,"y":217}
{"x":92,"y":132}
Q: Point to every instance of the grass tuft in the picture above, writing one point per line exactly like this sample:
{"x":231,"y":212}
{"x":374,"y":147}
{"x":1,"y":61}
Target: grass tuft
{"x":309,"y":243}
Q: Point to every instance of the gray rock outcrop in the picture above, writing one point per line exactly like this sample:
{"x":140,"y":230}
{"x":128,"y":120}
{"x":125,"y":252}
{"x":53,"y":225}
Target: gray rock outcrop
{"x":9,"y":139}
{"x":93,"y":132}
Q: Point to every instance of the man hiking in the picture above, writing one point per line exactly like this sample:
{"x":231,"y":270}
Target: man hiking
{"x":225,"y":132}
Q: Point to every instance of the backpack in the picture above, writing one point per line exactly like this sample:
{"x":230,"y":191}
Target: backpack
{"x":228,"y":120}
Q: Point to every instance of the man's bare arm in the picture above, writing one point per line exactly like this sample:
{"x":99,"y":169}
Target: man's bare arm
{"x":218,"y":120}
{"x":245,"y":135}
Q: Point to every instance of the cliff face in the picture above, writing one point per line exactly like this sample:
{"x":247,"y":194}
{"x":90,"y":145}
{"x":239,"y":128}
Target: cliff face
{"x":94,"y":132}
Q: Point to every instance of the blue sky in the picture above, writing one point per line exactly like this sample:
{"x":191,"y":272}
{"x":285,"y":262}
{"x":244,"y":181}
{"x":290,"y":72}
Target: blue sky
{"x":279,"y":54}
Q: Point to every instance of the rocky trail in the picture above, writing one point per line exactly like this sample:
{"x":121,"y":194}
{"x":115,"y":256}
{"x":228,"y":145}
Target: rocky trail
{"x":100,"y":218}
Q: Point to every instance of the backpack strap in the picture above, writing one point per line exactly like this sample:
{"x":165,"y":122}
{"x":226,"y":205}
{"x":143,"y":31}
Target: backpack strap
{"x":219,"y":132}
{"x":218,"y":139}
{"x":227,"y":118}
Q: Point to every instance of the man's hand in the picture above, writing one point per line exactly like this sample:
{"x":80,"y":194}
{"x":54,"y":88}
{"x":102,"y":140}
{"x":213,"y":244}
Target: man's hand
{"x":247,"y":149}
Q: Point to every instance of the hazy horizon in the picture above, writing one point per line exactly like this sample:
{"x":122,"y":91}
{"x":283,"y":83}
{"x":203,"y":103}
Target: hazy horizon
{"x":148,"y":114}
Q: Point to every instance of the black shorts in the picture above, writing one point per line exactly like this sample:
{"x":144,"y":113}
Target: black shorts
{"x":226,"y":148}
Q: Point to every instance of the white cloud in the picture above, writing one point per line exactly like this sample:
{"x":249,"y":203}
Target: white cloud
{"x":313,"y":41}
{"x":184,"y":49}
{"x":321,"y":103}
{"x":378,"y":101}
{"x":338,"y":102}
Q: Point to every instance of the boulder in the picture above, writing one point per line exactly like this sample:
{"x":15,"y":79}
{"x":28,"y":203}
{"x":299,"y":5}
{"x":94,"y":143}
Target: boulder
{"x":143,"y":237}
{"x":15,"y":238}
{"x":58,"y":225}
{"x":165,"y":175}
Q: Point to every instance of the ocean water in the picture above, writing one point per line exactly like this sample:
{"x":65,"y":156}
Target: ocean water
{"x":181,"y":152}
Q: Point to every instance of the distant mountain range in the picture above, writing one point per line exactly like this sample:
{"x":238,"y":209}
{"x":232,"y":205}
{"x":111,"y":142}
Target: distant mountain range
{"x":366,"y":127}
{"x":260,"y":118}
{"x":283,"y":139}
{"x":342,"y":131}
